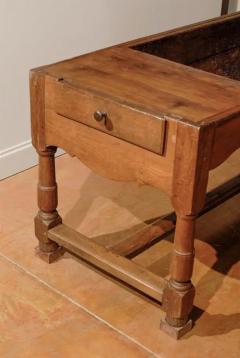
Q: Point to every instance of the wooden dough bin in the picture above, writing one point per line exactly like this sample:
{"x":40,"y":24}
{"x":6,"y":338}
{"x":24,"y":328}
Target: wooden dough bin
{"x":164,"y":111}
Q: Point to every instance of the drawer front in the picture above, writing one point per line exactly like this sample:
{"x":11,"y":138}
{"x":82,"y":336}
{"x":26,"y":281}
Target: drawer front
{"x":106,"y":115}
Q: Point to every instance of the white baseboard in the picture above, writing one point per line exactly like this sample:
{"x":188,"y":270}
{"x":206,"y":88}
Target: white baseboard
{"x":18,"y":158}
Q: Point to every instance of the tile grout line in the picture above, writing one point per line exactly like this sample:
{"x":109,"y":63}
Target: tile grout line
{"x":85,"y":309}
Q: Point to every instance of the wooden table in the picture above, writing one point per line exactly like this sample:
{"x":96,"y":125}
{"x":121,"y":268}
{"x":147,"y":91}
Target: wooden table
{"x":151,"y":111}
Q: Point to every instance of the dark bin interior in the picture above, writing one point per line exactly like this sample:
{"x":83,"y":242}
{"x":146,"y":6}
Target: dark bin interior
{"x":214,"y":48}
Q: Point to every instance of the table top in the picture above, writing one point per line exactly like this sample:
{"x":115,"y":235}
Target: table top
{"x":152,"y":84}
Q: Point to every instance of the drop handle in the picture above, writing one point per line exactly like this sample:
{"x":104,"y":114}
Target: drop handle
{"x":100,"y":116}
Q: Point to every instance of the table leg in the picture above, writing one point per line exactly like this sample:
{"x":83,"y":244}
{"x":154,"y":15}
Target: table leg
{"x":190,"y":178}
{"x":179,"y":293}
{"x":47,"y":216}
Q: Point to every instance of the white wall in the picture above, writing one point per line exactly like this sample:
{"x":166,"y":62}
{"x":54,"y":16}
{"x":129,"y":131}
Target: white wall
{"x":234,"y":5}
{"x":37,"y":32}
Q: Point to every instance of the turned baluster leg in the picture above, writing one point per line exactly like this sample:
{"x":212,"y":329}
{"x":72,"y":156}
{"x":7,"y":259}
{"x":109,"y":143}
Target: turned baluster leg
{"x":179,"y":293}
{"x":47,"y":216}
{"x":190,"y":178}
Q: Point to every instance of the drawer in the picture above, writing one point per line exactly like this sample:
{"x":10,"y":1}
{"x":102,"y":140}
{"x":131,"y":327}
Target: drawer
{"x":107,"y":115}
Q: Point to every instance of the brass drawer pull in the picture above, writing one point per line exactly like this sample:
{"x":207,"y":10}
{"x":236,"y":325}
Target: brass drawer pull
{"x":99,"y":116}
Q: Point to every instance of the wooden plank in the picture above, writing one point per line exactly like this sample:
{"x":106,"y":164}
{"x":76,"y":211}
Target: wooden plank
{"x":145,"y":238}
{"x":118,"y":266}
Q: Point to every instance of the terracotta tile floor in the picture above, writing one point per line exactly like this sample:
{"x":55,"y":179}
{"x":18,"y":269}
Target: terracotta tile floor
{"x":67,"y":309}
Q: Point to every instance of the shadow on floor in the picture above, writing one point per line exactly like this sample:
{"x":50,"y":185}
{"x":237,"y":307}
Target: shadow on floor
{"x":217,"y":242}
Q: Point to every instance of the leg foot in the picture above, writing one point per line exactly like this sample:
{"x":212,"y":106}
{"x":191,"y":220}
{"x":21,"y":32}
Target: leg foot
{"x":179,"y":292}
{"x":50,"y":257}
{"x":175,"y":332}
{"x":47,"y":250}
{"x":178,"y":303}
